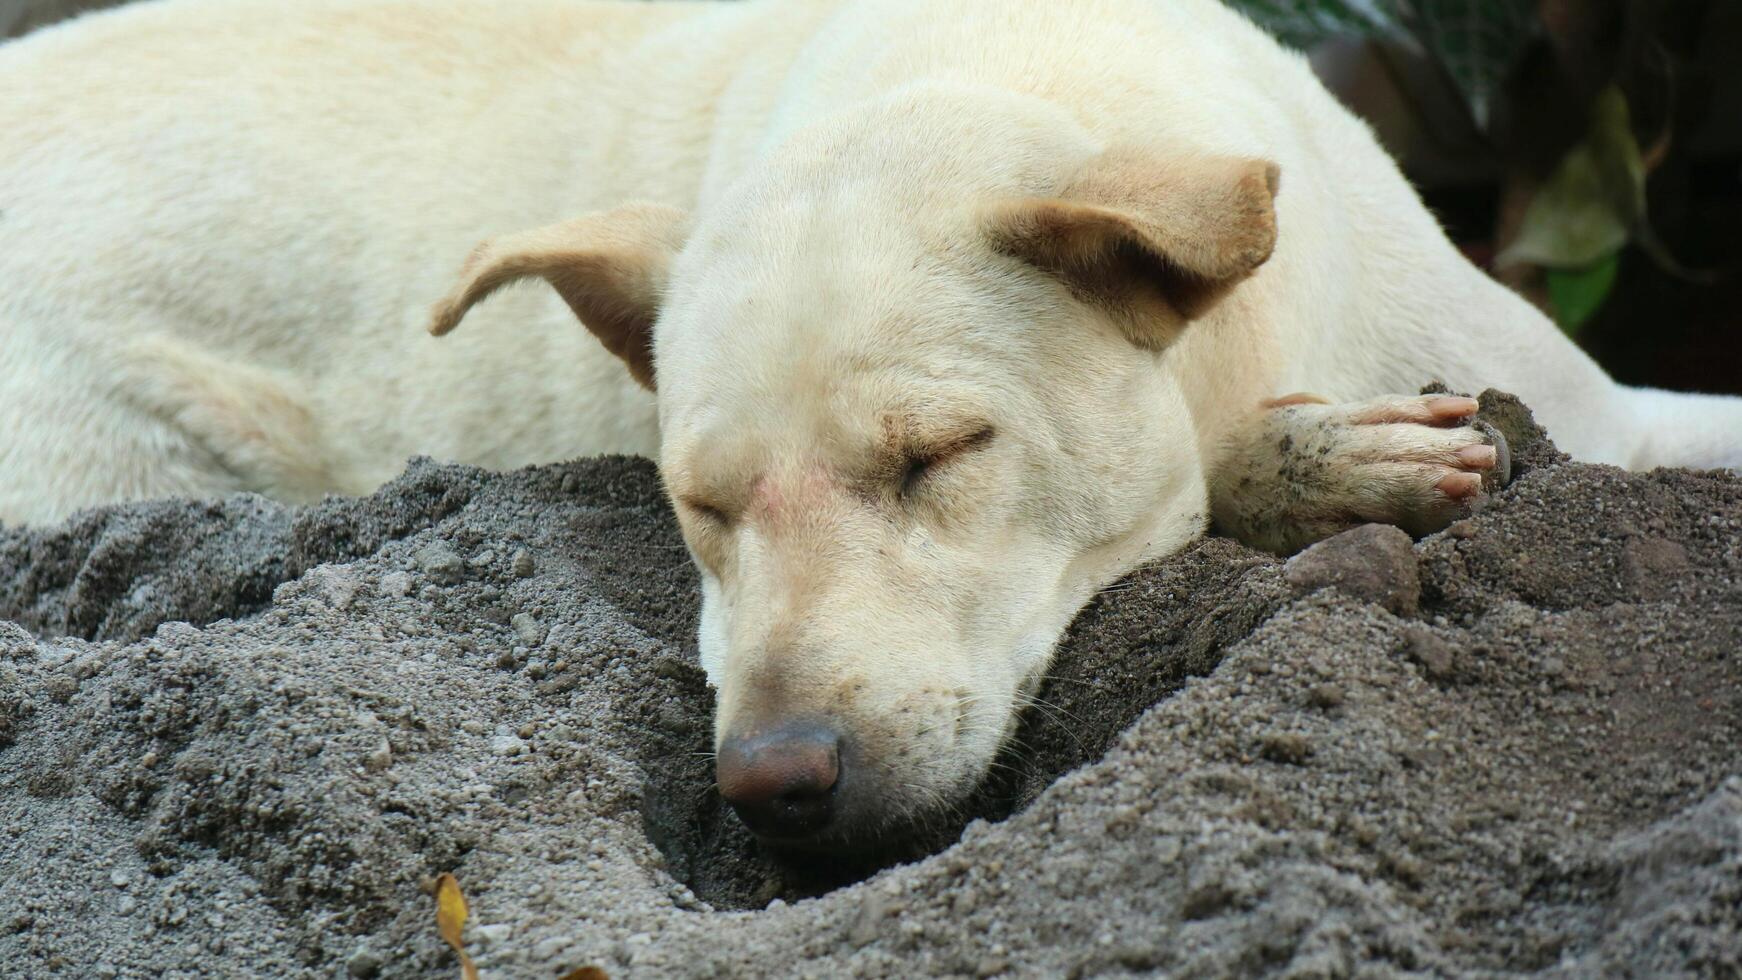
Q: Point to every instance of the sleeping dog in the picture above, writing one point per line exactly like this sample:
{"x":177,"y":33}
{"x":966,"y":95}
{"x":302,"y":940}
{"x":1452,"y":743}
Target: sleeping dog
{"x":939,"y":315}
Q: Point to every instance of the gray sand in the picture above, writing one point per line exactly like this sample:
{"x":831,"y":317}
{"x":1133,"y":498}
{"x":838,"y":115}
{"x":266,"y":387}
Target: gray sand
{"x":1510,"y":748}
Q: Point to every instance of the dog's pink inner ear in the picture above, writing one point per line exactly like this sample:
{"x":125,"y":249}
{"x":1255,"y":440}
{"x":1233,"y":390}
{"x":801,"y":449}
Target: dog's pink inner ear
{"x":611,"y":269}
{"x":1155,"y":239}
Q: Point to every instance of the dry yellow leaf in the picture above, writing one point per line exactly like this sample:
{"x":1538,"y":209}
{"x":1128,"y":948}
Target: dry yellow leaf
{"x":451,"y":918}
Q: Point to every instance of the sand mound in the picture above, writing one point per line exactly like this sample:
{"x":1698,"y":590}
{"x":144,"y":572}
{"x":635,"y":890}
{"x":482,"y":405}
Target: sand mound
{"x":1513,"y":747}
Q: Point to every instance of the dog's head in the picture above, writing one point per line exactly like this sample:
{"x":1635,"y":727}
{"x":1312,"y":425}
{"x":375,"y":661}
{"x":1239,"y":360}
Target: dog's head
{"x":913,"y":416}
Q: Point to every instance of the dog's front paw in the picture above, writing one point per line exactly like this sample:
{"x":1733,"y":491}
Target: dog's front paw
{"x":1315,"y":469}
{"x":1418,"y":462}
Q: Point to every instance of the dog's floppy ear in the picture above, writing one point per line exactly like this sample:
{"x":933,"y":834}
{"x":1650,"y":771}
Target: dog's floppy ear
{"x":609,"y":267}
{"x":1155,"y":238}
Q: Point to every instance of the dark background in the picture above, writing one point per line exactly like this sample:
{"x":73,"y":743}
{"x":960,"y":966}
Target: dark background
{"x":1479,"y":160}
{"x":1678,"y":64}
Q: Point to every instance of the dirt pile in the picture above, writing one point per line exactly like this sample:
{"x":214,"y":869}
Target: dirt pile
{"x":1513,"y":747}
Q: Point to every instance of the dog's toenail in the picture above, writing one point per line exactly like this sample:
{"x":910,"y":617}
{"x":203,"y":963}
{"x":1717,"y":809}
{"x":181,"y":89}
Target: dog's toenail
{"x":1501,"y":473}
{"x":1452,"y":406}
{"x":1458,"y":486}
{"x":1477,"y":457}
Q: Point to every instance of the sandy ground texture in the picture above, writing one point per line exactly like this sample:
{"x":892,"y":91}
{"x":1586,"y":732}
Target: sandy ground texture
{"x":239,"y":739}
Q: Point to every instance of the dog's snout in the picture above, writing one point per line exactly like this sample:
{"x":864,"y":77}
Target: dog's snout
{"x":783,"y":781}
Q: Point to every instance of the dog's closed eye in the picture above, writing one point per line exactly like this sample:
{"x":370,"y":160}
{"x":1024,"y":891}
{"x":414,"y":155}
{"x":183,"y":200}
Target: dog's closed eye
{"x":922,"y":462}
{"x":707,"y":513}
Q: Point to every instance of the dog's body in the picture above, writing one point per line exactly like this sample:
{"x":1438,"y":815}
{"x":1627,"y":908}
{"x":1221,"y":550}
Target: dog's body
{"x":221,"y":223}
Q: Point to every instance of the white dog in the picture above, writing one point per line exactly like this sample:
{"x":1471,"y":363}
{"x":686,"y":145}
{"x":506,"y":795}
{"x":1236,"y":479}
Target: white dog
{"x":957,"y":310}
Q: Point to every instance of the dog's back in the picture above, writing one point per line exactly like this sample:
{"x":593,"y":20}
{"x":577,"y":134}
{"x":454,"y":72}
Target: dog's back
{"x":220,"y":225}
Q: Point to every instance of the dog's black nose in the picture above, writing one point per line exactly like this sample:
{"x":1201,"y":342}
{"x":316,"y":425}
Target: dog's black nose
{"x":782,"y":780}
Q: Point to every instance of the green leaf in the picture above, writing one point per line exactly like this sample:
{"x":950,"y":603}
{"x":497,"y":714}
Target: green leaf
{"x":1576,"y":295}
{"x":1593,"y":201}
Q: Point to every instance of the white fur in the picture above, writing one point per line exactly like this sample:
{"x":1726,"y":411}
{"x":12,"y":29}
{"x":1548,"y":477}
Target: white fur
{"x":221,"y":223}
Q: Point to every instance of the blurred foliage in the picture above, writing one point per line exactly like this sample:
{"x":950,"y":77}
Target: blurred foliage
{"x":1575,"y":295}
{"x":1476,"y":41}
{"x":1304,"y":23}
{"x":1579,"y":221}
{"x":1584,"y":211}
{"x":1592,"y":202}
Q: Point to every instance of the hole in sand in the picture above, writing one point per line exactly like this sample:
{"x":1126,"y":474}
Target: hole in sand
{"x":1134,"y":646}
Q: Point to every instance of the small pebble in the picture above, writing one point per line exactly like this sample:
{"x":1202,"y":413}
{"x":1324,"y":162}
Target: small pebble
{"x":379,"y":759}
{"x":439,"y":562}
{"x":1166,"y":850}
{"x":1289,"y":748}
{"x":530,"y":631}
{"x":672,"y":668}
{"x":522,"y":564}
{"x":1438,"y":661}
{"x":493,"y":933}
{"x":561,"y":684}
{"x":395,"y":584}
{"x":506,"y":745}
{"x":550,"y":949}
{"x":1372,"y":563}
{"x":363,"y":964}
{"x":337,"y":585}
